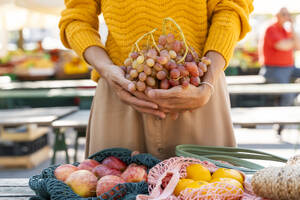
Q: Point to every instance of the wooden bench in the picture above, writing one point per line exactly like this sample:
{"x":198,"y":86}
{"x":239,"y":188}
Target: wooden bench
{"x":29,"y":119}
{"x":78,"y":121}
{"x":15,"y":189}
{"x":52,"y":84}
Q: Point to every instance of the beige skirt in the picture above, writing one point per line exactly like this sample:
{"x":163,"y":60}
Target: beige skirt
{"x":115,"y":124}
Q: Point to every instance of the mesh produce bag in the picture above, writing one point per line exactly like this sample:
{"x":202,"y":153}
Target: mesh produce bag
{"x":163,"y":178}
{"x":46,"y":186}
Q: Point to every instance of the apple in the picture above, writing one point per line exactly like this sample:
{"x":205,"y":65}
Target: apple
{"x":83,"y":183}
{"x":106,"y":183}
{"x":88,"y":164}
{"x":114,"y":163}
{"x":62,"y":172}
{"x":103,"y":170}
{"x":135,"y":174}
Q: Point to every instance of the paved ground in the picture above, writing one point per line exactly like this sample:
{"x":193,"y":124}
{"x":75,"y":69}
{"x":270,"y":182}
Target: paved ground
{"x":263,"y":138}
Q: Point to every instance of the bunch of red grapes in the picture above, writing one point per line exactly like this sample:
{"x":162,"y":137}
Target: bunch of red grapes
{"x":164,"y":66}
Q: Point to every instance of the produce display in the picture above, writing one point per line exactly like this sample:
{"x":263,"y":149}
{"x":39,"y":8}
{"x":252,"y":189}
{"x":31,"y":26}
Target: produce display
{"x":92,"y":178}
{"x":165,"y":64}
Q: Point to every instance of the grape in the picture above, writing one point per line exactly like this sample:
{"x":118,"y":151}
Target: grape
{"x":183,"y":71}
{"x":131,"y":87}
{"x":206,"y":60}
{"x":201,"y":73}
{"x":150,"y":62}
{"x":160,"y":47}
{"x":162,"y":40}
{"x":172,"y":54}
{"x":158,"y":67}
{"x":169,"y":46}
{"x":134,"y":64}
{"x":141,"y":86}
{"x":127,"y":76}
{"x":147,"y":89}
{"x":171,"y":65}
{"x":147,"y":70}
{"x":127,"y":62}
{"x":150,"y":81}
{"x":176,"y":46}
{"x":195,"y":81}
{"x":174,"y":82}
{"x":152,"y":53}
{"x":162,"y":60}
{"x":164,"y":53}
{"x":161,"y":75}
{"x":170,"y":38}
{"x":164,"y":84}
{"x":195,"y":54}
{"x":192,"y":68}
{"x":140,"y":68}
{"x":142,"y":76}
{"x":133,"y":73}
{"x":179,"y":57}
{"x":124,"y":68}
{"x":134,"y":55}
{"x":189,"y":57}
{"x":140,"y":59}
{"x":175,"y":73}
{"x":154,"y":72}
{"x":184,"y":82}
{"x":202,"y":66}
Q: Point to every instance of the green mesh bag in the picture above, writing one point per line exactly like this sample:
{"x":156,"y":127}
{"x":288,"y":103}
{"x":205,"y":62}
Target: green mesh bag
{"x":46,"y":186}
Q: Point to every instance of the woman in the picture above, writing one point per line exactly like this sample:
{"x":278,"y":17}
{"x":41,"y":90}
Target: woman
{"x":144,"y":123}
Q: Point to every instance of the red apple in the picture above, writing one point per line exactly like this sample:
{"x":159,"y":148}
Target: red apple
{"x":134,"y":174}
{"x":114,"y":163}
{"x":103,"y":170}
{"x":62,"y":172}
{"x":88,"y":164}
{"x":83,"y":183}
{"x":106,"y":183}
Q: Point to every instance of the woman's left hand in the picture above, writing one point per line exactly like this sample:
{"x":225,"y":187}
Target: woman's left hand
{"x":179,"y":99}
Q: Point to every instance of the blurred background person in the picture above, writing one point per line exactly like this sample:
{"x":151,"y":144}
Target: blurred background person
{"x":277,"y":53}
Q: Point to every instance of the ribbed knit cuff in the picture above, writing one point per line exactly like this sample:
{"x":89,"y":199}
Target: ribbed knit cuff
{"x":83,"y":39}
{"x":223,"y":36}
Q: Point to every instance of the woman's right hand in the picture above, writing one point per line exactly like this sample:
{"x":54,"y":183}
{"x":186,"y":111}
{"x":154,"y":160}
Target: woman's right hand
{"x":115,"y":76}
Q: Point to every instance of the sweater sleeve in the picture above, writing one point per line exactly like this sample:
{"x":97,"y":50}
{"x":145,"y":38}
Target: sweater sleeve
{"x":79,"y":25}
{"x":229,"y":23}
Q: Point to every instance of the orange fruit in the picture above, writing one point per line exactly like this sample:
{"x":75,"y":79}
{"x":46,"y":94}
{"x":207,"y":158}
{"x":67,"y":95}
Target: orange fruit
{"x":198,"y":172}
{"x":182,"y":185}
{"x":228,"y":173}
{"x":229,"y":181}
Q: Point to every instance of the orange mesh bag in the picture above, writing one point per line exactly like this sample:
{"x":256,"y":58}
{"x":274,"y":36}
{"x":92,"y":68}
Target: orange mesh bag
{"x":163,"y":178}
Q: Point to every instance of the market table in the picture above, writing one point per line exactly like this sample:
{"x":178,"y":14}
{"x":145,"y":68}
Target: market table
{"x":245,"y":79}
{"x":28,"y":144}
{"x":15,"y":189}
{"x":77,"y":120}
{"x":51,"y":84}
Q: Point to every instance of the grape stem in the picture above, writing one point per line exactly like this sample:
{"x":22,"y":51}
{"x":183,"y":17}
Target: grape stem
{"x":181,"y":33}
{"x":136,"y":44}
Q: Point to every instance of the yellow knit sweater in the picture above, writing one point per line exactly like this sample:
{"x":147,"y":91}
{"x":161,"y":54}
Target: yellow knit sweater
{"x":207,"y":24}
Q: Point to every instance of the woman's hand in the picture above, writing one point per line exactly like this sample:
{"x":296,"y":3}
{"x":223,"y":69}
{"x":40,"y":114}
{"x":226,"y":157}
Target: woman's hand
{"x":114,"y":75}
{"x":178,"y":99}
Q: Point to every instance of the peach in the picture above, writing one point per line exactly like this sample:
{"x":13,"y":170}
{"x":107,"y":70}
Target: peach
{"x":83,"y":183}
{"x":114,"y":163}
{"x":62,"y":172}
{"x":106,"y":183}
{"x":88,"y":164}
{"x":103,"y":170}
{"x":134,"y":174}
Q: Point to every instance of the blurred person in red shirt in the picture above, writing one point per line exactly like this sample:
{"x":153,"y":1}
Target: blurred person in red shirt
{"x":277,"y":53}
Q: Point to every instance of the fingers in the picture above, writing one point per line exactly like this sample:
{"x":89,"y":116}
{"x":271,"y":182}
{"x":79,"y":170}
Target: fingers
{"x":159,"y":93}
{"x":132,"y":100}
{"x":150,"y":111}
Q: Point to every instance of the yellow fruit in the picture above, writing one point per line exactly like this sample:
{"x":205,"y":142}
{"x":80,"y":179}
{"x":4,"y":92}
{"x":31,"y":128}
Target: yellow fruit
{"x":197,"y":185}
{"x":228,"y":180}
{"x":198,"y":172}
{"x":228,"y":173}
{"x":182,"y":185}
